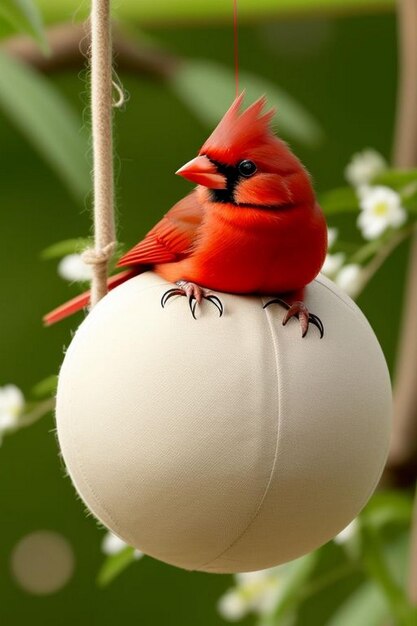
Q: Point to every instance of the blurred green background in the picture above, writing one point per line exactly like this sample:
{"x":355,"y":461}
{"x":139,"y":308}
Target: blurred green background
{"x":343,"y":69}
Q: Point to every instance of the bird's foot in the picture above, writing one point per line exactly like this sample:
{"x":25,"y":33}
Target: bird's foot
{"x":299,"y":310}
{"x":195,"y":295}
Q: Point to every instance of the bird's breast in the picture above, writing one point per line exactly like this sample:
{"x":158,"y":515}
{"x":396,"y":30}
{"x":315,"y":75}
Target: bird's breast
{"x":255,"y":252}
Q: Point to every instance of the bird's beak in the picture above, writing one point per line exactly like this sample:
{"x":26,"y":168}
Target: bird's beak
{"x":203,"y":172}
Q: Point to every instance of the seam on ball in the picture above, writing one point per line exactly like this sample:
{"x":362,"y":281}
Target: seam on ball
{"x":274,"y":461}
{"x":376,"y":478}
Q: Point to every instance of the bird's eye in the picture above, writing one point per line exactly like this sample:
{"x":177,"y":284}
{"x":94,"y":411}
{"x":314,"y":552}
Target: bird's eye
{"x":247,"y":168}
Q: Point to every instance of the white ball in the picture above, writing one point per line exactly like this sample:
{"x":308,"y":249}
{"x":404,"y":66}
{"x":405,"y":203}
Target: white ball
{"x":223,"y":444}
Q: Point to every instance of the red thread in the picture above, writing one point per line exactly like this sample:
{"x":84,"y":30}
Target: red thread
{"x":236,"y":46}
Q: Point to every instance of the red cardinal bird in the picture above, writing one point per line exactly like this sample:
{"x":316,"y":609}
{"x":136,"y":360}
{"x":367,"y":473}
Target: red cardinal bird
{"x":252,"y":225}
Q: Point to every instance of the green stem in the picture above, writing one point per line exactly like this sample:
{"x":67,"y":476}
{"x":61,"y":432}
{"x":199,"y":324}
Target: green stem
{"x":39,"y":411}
{"x":366,"y":251}
{"x":381,"y":256}
{"x":330,"y":578}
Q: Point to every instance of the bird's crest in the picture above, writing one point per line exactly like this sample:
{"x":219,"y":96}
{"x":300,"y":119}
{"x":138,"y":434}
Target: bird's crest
{"x":238,"y":132}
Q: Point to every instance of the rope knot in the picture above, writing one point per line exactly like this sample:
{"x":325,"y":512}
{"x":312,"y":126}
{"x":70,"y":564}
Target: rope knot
{"x":93,"y":256}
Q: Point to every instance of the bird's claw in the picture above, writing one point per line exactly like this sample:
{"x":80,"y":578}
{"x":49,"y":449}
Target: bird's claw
{"x":300,"y":311}
{"x":314,"y":319}
{"x":217,"y":303}
{"x":168,"y":294}
{"x":193,"y":299}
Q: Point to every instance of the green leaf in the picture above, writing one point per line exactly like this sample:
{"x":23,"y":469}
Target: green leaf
{"x":25,"y":17}
{"x":62,"y":248}
{"x":344,"y":199}
{"x":397,"y":179}
{"x":169,"y":12}
{"x":47,"y":121}
{"x":115,"y":565}
{"x":380,"y":569}
{"x":409,"y":198}
{"x":364,"y":607}
{"x":46,"y":387}
{"x":388,"y":507}
{"x":341,"y":200}
{"x":208,"y":89}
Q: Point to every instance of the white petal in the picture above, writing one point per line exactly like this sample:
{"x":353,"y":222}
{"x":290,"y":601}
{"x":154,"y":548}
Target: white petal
{"x":12,"y":400}
{"x":112,"y":544}
{"x":347,"y":533}
{"x":73,"y":268}
{"x":8,"y":421}
{"x":333,"y":263}
{"x":398,"y":217}
{"x":350,"y":279}
{"x":261,"y":589}
{"x":232,"y":606}
{"x":364,"y":166}
{"x":267,"y":600}
{"x":370,"y":225}
{"x":137,"y":555}
{"x":362,"y":191}
{"x":332,"y":235}
{"x":370,"y":197}
{"x":247,"y":578}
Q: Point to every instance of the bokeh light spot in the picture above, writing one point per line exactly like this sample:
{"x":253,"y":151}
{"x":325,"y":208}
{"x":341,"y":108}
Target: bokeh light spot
{"x":42,"y":562}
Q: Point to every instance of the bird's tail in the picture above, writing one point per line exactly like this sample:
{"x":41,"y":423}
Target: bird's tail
{"x":81,"y":301}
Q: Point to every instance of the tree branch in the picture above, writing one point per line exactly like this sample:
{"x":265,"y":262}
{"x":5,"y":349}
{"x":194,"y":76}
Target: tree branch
{"x":402,"y":462}
{"x":69,"y":44}
{"x":403,"y":454}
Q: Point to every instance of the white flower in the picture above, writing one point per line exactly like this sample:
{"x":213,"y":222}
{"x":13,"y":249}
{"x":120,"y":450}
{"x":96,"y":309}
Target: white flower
{"x":347,"y":533}
{"x":73,"y":268}
{"x":137,"y":554}
{"x":12,"y":403}
{"x":349,"y":278}
{"x":112,"y":544}
{"x":333,"y":263}
{"x":380,"y":208}
{"x":332,"y":234}
{"x":256,"y":592}
{"x":364,"y":166}
{"x":253,"y":578}
{"x":232,"y":605}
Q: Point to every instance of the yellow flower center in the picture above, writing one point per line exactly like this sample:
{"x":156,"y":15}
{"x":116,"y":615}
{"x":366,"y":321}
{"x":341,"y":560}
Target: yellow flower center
{"x":381,"y":208}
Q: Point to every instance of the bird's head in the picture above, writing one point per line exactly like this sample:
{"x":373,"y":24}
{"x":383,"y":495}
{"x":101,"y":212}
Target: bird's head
{"x":244,"y":164}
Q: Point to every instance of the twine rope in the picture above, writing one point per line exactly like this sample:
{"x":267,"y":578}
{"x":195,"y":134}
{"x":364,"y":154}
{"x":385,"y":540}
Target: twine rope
{"x":103,"y":178}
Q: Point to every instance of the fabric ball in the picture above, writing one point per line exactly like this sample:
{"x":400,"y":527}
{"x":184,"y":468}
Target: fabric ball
{"x":223,"y":444}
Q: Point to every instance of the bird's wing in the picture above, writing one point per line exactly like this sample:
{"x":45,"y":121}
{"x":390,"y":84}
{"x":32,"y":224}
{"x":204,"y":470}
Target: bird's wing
{"x":171,"y":238}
